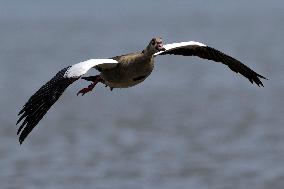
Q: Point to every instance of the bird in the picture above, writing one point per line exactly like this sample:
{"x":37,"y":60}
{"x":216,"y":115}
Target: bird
{"x":119,"y":72}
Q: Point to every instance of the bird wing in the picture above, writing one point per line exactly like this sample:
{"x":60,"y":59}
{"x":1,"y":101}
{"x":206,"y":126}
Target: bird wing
{"x":193,"y":48}
{"x":39,"y":103}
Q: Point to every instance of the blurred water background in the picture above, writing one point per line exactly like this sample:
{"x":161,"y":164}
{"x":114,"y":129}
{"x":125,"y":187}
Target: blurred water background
{"x":191,"y":124}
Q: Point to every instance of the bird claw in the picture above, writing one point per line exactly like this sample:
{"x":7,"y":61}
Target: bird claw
{"x":87,"y":89}
{"x":84,"y":91}
{"x":96,"y":80}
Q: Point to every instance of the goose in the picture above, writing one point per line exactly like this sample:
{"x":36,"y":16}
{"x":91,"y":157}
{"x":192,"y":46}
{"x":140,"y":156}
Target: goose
{"x":119,"y":72}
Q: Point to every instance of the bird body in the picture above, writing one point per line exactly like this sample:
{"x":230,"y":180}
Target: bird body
{"x":131,"y":69}
{"x":119,"y":72}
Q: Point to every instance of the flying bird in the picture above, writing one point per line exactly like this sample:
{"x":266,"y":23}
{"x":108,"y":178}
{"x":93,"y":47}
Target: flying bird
{"x":119,"y":72}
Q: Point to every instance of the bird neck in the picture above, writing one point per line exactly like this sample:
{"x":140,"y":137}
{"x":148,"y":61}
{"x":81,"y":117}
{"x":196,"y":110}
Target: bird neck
{"x":147,"y":54}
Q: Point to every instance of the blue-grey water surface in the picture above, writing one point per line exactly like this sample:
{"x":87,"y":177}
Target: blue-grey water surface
{"x":193,"y":124}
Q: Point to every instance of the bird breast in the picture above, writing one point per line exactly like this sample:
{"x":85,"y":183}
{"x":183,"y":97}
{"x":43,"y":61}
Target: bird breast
{"x":129,"y":72}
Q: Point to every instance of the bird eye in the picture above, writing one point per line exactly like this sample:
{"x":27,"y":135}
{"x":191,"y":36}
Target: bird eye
{"x":153,"y":42}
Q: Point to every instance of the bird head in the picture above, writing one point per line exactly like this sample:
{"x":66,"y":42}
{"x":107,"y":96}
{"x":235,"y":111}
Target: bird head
{"x":155,"y":45}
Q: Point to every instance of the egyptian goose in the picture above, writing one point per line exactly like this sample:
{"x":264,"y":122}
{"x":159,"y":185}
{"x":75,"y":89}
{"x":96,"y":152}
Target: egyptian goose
{"x":119,"y":72}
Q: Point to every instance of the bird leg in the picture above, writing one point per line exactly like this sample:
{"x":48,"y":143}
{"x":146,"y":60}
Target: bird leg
{"x":95,"y":79}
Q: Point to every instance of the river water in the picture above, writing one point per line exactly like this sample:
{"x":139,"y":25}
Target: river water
{"x":192,"y":124}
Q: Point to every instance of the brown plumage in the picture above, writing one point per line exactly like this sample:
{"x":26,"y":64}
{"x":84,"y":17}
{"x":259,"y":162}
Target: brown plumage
{"x":119,"y":72}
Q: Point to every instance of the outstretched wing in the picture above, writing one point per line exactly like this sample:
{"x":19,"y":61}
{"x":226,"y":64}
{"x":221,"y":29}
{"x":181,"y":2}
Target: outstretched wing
{"x":193,"y":48}
{"x":39,"y":103}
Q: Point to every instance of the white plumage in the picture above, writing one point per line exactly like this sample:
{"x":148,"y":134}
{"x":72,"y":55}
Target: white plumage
{"x":119,"y":72}
{"x":81,"y":68}
{"x":180,"y":44}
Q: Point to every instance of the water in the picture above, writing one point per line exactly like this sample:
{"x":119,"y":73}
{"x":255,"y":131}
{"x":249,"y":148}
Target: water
{"x":191,"y":124}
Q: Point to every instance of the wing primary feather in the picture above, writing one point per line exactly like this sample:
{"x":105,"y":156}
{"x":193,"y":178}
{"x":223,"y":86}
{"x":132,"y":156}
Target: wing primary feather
{"x":210,"y":53}
{"x":39,"y":103}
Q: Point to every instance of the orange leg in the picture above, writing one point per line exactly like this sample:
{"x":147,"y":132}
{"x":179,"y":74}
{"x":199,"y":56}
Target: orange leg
{"x":95,"y":79}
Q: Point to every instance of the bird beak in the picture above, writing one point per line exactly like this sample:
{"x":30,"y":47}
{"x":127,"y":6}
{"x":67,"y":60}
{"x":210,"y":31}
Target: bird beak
{"x":160,"y":47}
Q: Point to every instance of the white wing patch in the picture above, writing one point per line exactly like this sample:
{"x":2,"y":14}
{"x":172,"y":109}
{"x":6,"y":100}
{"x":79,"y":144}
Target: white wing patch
{"x":181,"y":44}
{"x":81,"y":68}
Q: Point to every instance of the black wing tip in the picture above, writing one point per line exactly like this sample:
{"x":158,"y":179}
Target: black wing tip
{"x":24,"y":133}
{"x":21,"y":137}
{"x":262,"y":77}
{"x":20,"y":119}
{"x":256,"y":80}
{"x":20,"y":112}
{"x":18,"y":131}
{"x":39,"y":103}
